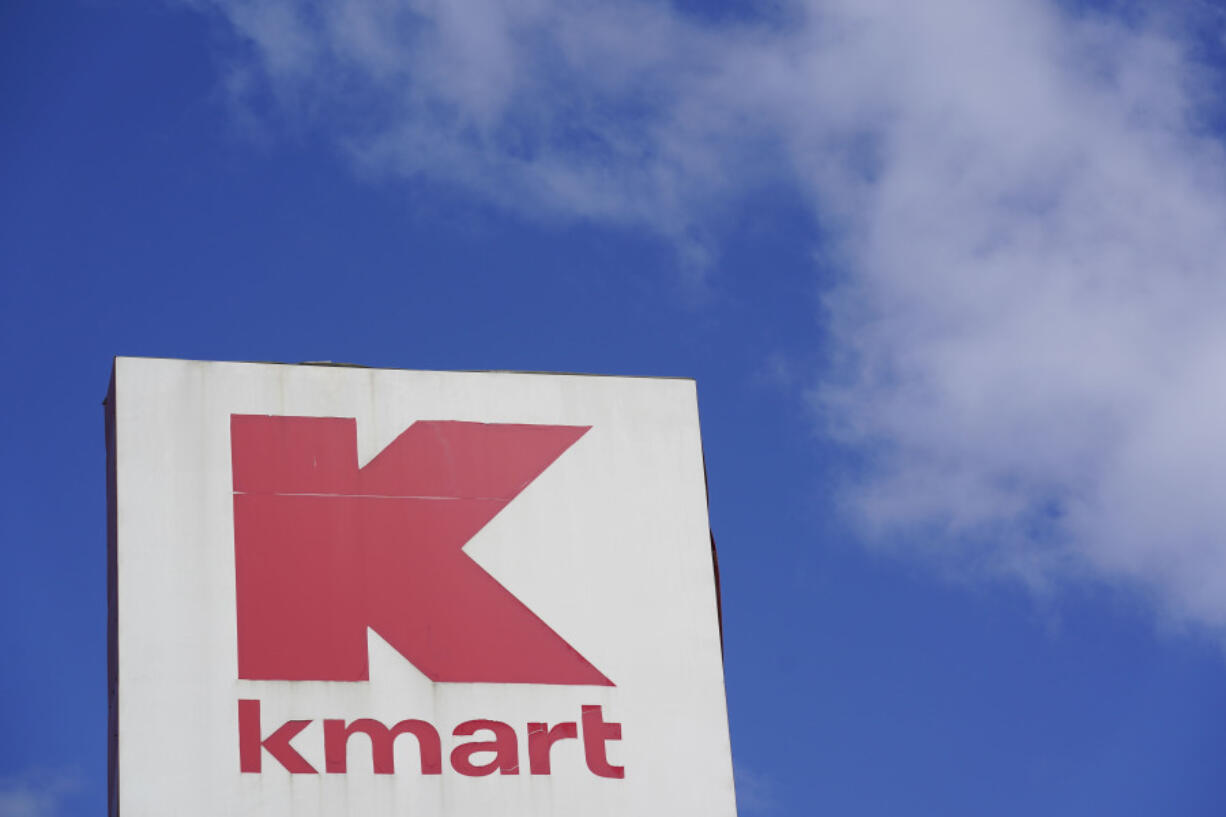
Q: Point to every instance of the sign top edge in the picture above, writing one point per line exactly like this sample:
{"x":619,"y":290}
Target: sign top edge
{"x":325,"y":364}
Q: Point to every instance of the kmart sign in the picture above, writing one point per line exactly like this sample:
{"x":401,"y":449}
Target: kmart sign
{"x":384,"y":592}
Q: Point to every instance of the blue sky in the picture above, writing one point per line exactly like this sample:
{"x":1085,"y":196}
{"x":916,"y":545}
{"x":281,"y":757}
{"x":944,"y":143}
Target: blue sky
{"x":949,"y":277}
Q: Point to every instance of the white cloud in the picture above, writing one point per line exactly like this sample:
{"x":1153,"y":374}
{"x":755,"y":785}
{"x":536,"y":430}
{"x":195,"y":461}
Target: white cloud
{"x":1030,"y":216}
{"x":1035,"y":349}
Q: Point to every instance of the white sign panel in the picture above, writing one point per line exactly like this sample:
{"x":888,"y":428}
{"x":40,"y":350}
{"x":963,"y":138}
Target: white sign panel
{"x":345,"y":591}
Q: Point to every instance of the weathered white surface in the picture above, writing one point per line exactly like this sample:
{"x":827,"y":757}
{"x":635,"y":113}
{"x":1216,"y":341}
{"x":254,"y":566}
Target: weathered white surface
{"x":609,"y":546}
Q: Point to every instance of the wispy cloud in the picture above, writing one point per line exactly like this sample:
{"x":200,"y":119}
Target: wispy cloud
{"x":1027,"y":202}
{"x":36,"y":794}
{"x":755,"y":792}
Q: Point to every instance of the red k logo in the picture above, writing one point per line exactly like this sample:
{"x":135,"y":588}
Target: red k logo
{"x":324,"y":549}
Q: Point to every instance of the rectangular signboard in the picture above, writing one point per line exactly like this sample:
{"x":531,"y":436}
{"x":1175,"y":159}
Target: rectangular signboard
{"x":346,"y":591}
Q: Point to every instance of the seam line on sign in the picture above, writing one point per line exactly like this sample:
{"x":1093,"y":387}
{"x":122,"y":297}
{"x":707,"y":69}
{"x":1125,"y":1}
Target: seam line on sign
{"x":368,"y":496}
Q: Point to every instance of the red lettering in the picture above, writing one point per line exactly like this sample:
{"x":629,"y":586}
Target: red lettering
{"x":595,"y":733}
{"x":505,"y":746}
{"x":382,"y":740}
{"x":277,"y":744}
{"x":541,"y":740}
